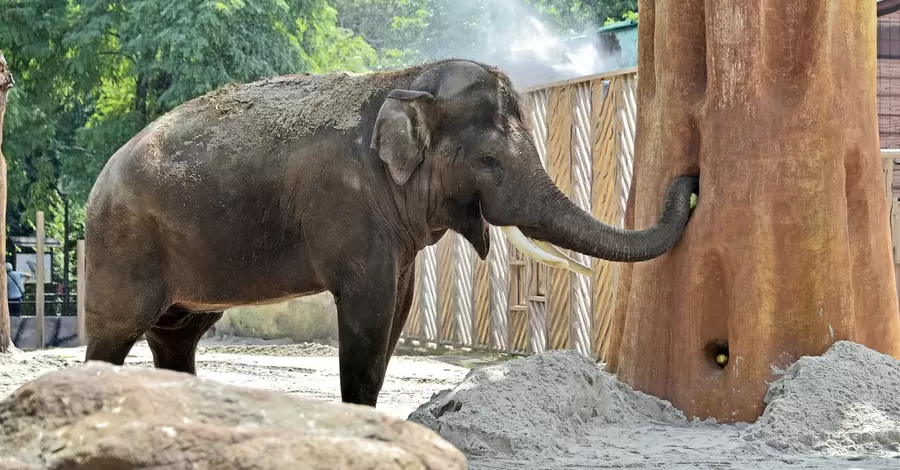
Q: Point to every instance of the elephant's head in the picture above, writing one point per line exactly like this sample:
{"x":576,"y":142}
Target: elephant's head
{"x":457,"y":132}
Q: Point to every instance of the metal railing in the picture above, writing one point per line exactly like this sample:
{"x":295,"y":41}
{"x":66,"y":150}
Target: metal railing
{"x":54,"y":305}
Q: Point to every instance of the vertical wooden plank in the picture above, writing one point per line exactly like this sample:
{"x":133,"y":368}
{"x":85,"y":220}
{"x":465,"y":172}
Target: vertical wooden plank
{"x":534,"y":273}
{"x":559,"y":117}
{"x":39,"y":282}
{"x":518,"y":312}
{"x":536,"y":301}
{"x":482,"y":304}
{"x":413,"y":327}
{"x":429,"y":304}
{"x":888,"y":172}
{"x":80,"y":291}
{"x":499,"y":274}
{"x":580,"y":291}
{"x":445,"y":289}
{"x":625,"y":105}
{"x":463,"y":292}
{"x":606,"y":204}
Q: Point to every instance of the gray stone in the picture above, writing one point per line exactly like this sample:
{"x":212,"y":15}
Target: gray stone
{"x":97,"y":416}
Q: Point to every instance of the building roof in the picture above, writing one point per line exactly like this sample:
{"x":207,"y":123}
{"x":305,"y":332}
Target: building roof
{"x":886,"y":7}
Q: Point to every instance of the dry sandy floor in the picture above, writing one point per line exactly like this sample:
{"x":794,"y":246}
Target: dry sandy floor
{"x":307,"y":369}
{"x":517,"y":414}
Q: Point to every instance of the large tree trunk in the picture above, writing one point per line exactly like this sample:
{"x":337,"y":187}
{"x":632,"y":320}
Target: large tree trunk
{"x":773,"y":103}
{"x":5,"y":83}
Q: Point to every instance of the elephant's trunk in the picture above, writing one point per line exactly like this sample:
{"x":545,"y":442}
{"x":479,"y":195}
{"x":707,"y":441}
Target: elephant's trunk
{"x":566,"y":225}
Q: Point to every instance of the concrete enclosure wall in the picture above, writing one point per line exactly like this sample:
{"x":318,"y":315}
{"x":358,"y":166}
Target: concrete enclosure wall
{"x":311,"y":318}
{"x":58,"y":332}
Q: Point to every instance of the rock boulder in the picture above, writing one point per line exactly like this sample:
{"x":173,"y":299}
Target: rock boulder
{"x":97,"y":416}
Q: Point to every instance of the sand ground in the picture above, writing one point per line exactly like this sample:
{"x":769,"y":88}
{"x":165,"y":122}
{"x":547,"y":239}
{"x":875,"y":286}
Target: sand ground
{"x":312,"y":370}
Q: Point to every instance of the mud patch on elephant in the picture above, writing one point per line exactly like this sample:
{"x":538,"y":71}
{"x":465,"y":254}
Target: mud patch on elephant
{"x":300,"y":104}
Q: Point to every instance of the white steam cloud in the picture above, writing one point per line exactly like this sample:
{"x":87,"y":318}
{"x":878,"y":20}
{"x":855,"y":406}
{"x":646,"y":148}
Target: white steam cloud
{"x":511,"y":35}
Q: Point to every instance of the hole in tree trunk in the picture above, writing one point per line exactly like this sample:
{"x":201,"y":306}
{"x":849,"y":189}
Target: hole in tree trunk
{"x":717,"y":351}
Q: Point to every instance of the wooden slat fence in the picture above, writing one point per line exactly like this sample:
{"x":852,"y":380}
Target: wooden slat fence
{"x":584,"y":131}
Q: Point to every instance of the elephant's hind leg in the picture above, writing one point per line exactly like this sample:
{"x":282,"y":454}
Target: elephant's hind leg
{"x":173,"y":340}
{"x":112,"y":345}
{"x":110,"y":339}
{"x":118,"y":312}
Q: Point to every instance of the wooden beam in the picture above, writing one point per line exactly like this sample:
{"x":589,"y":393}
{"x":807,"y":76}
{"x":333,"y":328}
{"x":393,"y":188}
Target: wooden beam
{"x":39,"y":282}
{"x":586,"y":78}
{"x":886,"y":7}
{"x":80,"y":292}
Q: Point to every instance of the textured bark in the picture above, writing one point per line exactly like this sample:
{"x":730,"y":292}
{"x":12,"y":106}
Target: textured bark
{"x":789,"y":250}
{"x":5,"y":83}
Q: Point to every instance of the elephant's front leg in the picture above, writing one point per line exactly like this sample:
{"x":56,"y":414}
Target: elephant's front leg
{"x":365,"y":306}
{"x":405,"y":291}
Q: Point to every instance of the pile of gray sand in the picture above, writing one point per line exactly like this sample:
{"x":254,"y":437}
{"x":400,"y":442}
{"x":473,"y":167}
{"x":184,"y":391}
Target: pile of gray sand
{"x":537,"y":404}
{"x":846,"y":401}
{"x":561,"y":404}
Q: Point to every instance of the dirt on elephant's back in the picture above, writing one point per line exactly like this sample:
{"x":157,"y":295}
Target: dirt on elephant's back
{"x":296,"y":105}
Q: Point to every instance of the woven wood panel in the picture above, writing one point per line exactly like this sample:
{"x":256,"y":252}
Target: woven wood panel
{"x":498,"y":265}
{"x":534,"y":274}
{"x":413,"y":327}
{"x":429,"y":303}
{"x":463,"y":292}
{"x":518,"y":312}
{"x":518,"y":329}
{"x":626,"y":105}
{"x":559,"y":115}
{"x":445,"y":290}
{"x":482,"y":304}
{"x":580,"y":298}
{"x":605,"y":205}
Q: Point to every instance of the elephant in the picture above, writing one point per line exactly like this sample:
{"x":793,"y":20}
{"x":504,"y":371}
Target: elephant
{"x":292,"y":185}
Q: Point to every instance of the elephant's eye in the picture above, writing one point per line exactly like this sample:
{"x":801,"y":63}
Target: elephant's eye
{"x":489,"y":161}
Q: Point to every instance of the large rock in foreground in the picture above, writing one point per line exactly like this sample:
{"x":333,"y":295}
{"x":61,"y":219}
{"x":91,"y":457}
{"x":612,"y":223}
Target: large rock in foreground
{"x":97,"y":416}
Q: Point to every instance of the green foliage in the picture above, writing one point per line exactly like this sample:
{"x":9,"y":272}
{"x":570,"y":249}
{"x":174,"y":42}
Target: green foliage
{"x":405,"y":32}
{"x":627,"y":16}
{"x":92,"y":73}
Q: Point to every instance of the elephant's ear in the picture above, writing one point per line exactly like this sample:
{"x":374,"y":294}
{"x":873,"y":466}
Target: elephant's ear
{"x":401,"y":132}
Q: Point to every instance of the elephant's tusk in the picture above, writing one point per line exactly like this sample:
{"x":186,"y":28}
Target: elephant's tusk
{"x":527,"y":247}
{"x":574,"y":265}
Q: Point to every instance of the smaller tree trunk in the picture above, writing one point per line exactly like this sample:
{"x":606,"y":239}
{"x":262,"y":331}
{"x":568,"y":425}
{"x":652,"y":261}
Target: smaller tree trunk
{"x":6,"y":82}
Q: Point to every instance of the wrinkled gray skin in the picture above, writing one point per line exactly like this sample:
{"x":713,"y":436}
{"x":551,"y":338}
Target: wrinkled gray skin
{"x":294,"y":185}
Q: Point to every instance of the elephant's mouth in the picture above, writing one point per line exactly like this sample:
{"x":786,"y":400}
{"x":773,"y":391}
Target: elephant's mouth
{"x":538,"y":250}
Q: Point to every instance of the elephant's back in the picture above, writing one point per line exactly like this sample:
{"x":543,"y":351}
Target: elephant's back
{"x":232,"y":147}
